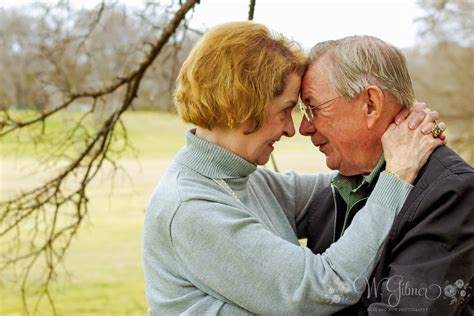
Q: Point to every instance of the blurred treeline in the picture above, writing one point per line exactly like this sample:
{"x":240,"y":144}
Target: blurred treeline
{"x":442,"y":67}
{"x":49,"y":51}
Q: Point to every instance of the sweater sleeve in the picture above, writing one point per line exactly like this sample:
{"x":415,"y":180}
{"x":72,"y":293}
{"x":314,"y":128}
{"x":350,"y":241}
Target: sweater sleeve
{"x":224,"y":251}
{"x":295,"y":191}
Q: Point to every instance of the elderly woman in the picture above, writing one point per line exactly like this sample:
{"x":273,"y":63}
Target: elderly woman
{"x":221,"y":234}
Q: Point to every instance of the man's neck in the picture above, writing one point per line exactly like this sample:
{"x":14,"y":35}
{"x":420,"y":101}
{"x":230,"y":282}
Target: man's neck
{"x":375,"y":149}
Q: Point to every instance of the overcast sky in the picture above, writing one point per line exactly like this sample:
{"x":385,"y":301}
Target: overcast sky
{"x":308,"y":21}
{"x":311,"y":21}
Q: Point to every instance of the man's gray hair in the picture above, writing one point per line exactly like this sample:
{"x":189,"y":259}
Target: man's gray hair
{"x":360,"y":61}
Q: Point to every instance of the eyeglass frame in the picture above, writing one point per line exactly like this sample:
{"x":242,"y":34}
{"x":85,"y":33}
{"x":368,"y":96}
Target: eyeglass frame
{"x":307,"y":110}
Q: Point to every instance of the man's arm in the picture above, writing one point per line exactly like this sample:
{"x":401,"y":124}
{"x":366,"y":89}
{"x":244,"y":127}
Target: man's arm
{"x":432,"y":262}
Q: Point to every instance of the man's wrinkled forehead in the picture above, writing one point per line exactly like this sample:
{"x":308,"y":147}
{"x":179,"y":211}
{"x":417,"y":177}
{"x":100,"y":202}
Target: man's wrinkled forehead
{"x":316,"y":79}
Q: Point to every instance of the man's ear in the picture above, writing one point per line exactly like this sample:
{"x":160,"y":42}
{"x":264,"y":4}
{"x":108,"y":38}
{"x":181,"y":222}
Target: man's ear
{"x":374,"y":105}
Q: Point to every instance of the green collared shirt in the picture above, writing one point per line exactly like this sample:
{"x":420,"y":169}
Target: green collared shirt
{"x":355,"y":188}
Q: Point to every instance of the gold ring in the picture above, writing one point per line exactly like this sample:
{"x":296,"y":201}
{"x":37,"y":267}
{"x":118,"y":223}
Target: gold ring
{"x":436,"y":130}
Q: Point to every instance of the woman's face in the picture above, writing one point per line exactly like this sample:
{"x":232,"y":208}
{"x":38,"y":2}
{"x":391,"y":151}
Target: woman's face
{"x":256,"y":147}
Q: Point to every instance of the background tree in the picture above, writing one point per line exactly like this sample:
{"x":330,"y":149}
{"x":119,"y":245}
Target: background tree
{"x":58,"y":59}
{"x":442,"y":67}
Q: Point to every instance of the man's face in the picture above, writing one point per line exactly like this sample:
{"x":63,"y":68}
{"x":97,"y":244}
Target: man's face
{"x":339,"y":128}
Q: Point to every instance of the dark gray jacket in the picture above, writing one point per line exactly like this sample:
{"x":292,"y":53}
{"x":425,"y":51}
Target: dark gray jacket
{"x":427,"y":263}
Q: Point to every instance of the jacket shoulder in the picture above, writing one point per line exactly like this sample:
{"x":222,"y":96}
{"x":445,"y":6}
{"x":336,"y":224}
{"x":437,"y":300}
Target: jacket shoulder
{"x":445,"y":169}
{"x":444,"y":185}
{"x":446,"y":160}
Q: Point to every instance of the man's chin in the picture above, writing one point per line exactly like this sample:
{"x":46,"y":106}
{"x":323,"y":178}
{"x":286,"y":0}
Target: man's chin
{"x":337,"y":166}
{"x":331,"y":164}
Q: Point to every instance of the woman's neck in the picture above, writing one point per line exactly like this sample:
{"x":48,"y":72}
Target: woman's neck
{"x":210,"y":136}
{"x":222,"y":137}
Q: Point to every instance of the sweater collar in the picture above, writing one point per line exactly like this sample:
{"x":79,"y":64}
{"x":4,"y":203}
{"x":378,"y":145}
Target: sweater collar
{"x":211,"y":160}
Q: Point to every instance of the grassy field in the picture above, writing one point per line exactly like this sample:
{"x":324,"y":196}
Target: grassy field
{"x":153,"y":135}
{"x":103,"y":273}
{"x":103,"y":269}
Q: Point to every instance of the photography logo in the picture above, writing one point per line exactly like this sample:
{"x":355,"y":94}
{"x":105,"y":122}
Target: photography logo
{"x":396,"y":287}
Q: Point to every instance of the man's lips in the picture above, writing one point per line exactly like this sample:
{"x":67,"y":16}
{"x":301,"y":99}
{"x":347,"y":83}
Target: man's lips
{"x":322,"y":147}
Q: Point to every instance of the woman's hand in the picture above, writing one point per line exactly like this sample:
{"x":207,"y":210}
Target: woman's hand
{"x":406,"y":150}
{"x":416,"y":114}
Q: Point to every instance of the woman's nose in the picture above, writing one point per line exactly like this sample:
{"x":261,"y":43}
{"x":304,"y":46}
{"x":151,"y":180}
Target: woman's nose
{"x":290,"y":129}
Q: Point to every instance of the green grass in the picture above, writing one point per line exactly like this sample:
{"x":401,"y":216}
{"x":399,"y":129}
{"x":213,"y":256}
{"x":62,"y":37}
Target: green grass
{"x":104,"y":265}
{"x":151,"y":134}
{"x":124,"y":297}
{"x":155,"y":134}
{"x":36,"y":139}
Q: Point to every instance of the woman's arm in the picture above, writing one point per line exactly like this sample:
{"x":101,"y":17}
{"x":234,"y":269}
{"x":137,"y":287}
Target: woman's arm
{"x":228,"y":254}
{"x":295,"y":191}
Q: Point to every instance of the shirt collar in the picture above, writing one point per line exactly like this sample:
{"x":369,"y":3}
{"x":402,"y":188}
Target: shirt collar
{"x":347,"y":184}
{"x":374,"y":174}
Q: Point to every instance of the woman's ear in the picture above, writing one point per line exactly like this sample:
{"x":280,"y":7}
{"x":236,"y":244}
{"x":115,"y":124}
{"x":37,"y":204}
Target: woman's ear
{"x":374,"y":105}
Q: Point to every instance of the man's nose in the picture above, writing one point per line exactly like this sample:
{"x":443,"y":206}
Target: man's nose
{"x":307,"y":128}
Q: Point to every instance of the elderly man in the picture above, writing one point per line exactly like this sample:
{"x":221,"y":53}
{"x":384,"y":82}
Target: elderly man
{"x":351,"y":92}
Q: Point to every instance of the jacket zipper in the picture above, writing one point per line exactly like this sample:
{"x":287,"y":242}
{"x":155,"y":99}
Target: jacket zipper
{"x":348,"y":213}
{"x":335,"y":212}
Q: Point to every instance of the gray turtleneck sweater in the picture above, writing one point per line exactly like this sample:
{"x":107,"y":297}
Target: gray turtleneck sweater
{"x":221,"y":238}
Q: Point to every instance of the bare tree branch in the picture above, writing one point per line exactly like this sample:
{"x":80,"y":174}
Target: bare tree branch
{"x":251,"y":9}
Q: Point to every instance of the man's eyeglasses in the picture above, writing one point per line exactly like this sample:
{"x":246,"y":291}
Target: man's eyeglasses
{"x":308,"y":110}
